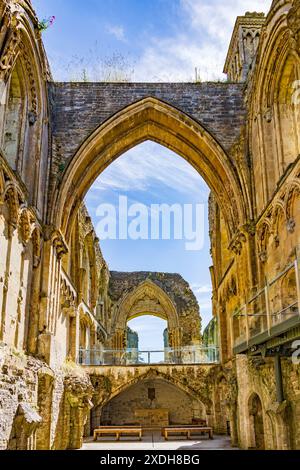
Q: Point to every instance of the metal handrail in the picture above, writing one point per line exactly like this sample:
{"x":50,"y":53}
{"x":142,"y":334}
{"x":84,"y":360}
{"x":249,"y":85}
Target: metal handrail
{"x":267,"y":310}
{"x":184,"y":355}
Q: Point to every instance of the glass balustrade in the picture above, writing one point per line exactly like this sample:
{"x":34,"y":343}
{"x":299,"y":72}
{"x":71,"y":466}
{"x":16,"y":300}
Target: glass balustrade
{"x":185,"y":355}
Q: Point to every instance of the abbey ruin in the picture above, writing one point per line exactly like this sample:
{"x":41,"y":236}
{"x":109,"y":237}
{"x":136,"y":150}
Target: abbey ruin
{"x":63,"y":314}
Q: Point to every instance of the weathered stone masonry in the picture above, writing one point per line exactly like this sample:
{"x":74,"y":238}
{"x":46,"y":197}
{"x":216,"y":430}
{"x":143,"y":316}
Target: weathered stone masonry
{"x":79,"y":108}
{"x":57,"y":295}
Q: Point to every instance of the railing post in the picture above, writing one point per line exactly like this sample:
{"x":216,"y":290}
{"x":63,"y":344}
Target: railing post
{"x":297,"y":273}
{"x":268,"y":307}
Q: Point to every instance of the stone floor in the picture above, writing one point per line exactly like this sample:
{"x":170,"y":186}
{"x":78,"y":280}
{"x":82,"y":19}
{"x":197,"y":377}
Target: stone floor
{"x":154,"y":441}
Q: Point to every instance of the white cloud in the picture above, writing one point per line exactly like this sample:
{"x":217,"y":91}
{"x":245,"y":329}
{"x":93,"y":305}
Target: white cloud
{"x":204,"y":32}
{"x":204,"y":43}
{"x":201,"y":289}
{"x":117,"y":31}
{"x":148,"y":164}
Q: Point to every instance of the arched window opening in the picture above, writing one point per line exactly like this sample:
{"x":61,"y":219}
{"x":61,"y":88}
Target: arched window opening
{"x":146,"y":336}
{"x":257,"y":433}
{"x":15,"y":120}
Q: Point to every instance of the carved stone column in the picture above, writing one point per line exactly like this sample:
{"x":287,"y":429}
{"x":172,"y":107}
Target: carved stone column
{"x":54,"y":248}
{"x":35,"y":294}
{"x":12,"y":201}
{"x":175,"y":335}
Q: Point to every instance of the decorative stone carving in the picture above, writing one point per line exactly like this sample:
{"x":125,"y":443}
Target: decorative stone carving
{"x":268,"y":115}
{"x":67,"y":298}
{"x":59,"y":244}
{"x":293,"y":20}
{"x":263,"y":256}
{"x":9,"y":38}
{"x":237,"y":242}
{"x":27,"y":60}
{"x":12,"y":199}
{"x":36,"y":240}
{"x":291,"y":225}
{"x":25,"y":225}
{"x":243,"y":45}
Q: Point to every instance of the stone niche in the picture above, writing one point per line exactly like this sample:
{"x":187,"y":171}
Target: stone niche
{"x":139,"y":404}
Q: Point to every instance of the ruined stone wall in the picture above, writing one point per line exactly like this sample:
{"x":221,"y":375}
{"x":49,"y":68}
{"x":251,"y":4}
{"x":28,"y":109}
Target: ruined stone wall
{"x":24,"y":111}
{"x":182,"y":408}
{"x":20,"y":262}
{"x":273,"y":93}
{"x":268,"y":244}
{"x":54,"y":292}
{"x":280,"y":420}
{"x":163,"y":294}
{"x":35,"y":401}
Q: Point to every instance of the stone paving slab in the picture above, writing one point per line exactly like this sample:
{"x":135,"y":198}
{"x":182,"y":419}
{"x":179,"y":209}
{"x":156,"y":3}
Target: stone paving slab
{"x":154,"y":441}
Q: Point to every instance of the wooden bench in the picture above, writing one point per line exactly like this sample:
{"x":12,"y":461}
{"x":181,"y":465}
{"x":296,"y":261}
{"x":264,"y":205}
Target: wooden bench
{"x":118,"y":431}
{"x":187,"y":430}
{"x":176,"y":426}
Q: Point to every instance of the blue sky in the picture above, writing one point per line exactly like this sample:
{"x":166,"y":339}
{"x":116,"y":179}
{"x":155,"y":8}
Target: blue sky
{"x":157,"y":40}
{"x":164,"y":40}
{"x":151,"y":174}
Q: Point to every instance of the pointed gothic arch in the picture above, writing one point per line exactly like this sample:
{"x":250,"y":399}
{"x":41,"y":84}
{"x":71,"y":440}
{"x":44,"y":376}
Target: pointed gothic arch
{"x":148,"y":298}
{"x":149,"y":119}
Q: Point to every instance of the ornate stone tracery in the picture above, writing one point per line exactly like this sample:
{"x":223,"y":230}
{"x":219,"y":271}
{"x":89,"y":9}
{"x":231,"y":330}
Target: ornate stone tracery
{"x":10,"y":37}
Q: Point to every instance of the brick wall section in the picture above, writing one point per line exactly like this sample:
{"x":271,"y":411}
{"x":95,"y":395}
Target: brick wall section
{"x":79,"y":108}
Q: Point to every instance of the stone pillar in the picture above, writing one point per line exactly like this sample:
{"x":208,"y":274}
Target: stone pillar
{"x":35,"y":295}
{"x":77,"y":406}
{"x":5,"y":286}
{"x":74,"y":335}
{"x":233,"y":427}
{"x":45,"y":394}
{"x":278,"y":413}
{"x":54,"y":249}
{"x":175,"y":335}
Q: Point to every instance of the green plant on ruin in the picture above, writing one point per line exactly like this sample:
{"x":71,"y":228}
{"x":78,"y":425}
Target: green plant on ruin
{"x":61,"y":167}
{"x":96,"y":66}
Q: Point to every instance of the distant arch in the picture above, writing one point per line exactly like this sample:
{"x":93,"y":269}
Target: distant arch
{"x":146,"y":298}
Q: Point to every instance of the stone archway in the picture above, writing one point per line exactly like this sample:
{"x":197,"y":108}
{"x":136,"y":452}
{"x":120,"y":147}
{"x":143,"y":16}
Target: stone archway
{"x":149,"y":119}
{"x":150,"y":298}
{"x":147,"y":298}
{"x":151,"y":402}
{"x":116,"y":386}
{"x":257,"y":432}
{"x":164,"y":295}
